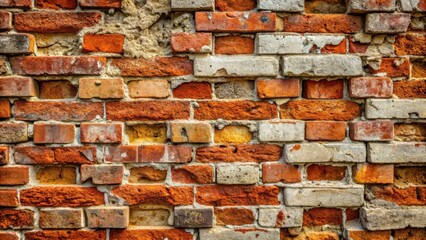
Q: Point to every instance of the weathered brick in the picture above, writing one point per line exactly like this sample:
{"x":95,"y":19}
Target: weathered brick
{"x":164,"y":154}
{"x":191,"y":132}
{"x":16,"y":43}
{"x":155,"y":67}
{"x":58,"y":65}
{"x":196,"y":90}
{"x":278,"y":88}
{"x":356,"y":46}
{"x":61,"y":197}
{"x":56,"y":90}
{"x":418,"y":69}
{"x":56,"y":4}
{"x":4,"y":155}
{"x":61,"y":218}
{"x":13,"y":132}
{"x":280,"y":172}
{"x":325,"y":6}
{"x":9,"y":236}
{"x":151,"y":215}
{"x":233,"y":45}
{"x":323,"y":23}
{"x":324,"y":197}
{"x":5,"y":20}
{"x":100,"y":3}
{"x":16,"y":219}
{"x":239,"y":153}
{"x":325,"y":131}
{"x":18,"y":87}
{"x":235,"y":5}
{"x":55,"y":155}
{"x":5,"y":111}
{"x":281,"y":131}
{"x":232,"y":134}
{"x":193,"y":217}
{"x":189,"y":5}
{"x":147,"y":110}
{"x":322,"y":216}
{"x":102,"y":88}
{"x":411,"y":44}
{"x":364,"y":6}
{"x":222,"y":233}
{"x":152,"y":133}
{"x":191,"y":42}
{"x":235,"y":110}
{"x":339,"y":110}
{"x":365,"y":87}
{"x":387,"y":22}
{"x":410,"y":89}
{"x":234,"y":89}
{"x":410,"y":175}
{"x":147,"y":174}
{"x":356,"y":232}
{"x":201,"y":174}
{"x":322,"y":235}
{"x":53,"y":133}
{"x":396,"y":152}
{"x":395,"y":108}
{"x":373,"y":173}
{"x":102,"y":174}
{"x":237,"y":174}
{"x":316,"y":172}
{"x":149,"y":89}
{"x":329,"y":152}
{"x":101,"y":132}
{"x":280,"y":217}
{"x":281,"y":6}
{"x":386,"y":219}
{"x":323,"y":89}
{"x":233,"y":216}
{"x":409,"y":233}
{"x":8,"y":198}
{"x":235,"y":22}
{"x":393,"y":67}
{"x":371,"y":131}
{"x":56,"y":175}
{"x":121,"y":154}
{"x":16,"y":3}
{"x":235,"y":66}
{"x":409,"y":196}
{"x":151,"y":234}
{"x":65,"y":234}
{"x":409,"y":6}
{"x":108,"y":43}
{"x":107,"y":217}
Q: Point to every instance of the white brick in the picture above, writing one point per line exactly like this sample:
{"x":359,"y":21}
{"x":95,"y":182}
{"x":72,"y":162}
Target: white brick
{"x":387,"y":22}
{"x":282,"y":5}
{"x":235,"y":66}
{"x":281,"y":217}
{"x":237,"y":174}
{"x":324,"y":197}
{"x":395,"y":108}
{"x":294,"y":44}
{"x":330,"y":152}
{"x":221,"y":233}
{"x":363,"y":6}
{"x":322,"y":65}
{"x":192,"y":5}
{"x":411,"y":152}
{"x":411,"y":5}
{"x":281,"y":131}
{"x":385,"y":219}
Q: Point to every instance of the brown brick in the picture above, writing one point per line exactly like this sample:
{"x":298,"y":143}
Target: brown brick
{"x":147,"y":110}
{"x":147,"y":174}
{"x":373,"y":173}
{"x":409,"y":234}
{"x":102,"y":174}
{"x":323,"y":89}
{"x":149,"y":89}
{"x":322,"y":216}
{"x":108,"y":43}
{"x":411,"y":44}
{"x":220,"y":195}
{"x":5,"y":111}
{"x":410,"y":196}
{"x":316,"y":172}
{"x":16,"y":219}
{"x":278,"y":88}
{"x":5,"y":20}
{"x":107,"y":217}
{"x":410,"y":89}
{"x":155,"y":194}
{"x":8,"y":198}
{"x":61,"y":197}
{"x":191,"y":42}
{"x":193,"y":217}
{"x":280,"y":172}
{"x":201,"y":174}
{"x":235,"y":5}
{"x":56,"y":175}
{"x":56,"y":4}
{"x":120,"y":154}
{"x":13,"y":132}
{"x":156,"y":67}
{"x":56,"y":90}
{"x":371,"y":131}
{"x":234,"y":216}
{"x":100,"y":3}
{"x":393,"y":67}
{"x":58,"y":65}
{"x":66,"y":234}
{"x":191,"y":132}
{"x":325,"y":6}
{"x":322,"y":23}
{"x":352,"y":214}
{"x":239,"y":153}
{"x":53,"y":133}
{"x":8,"y":236}
{"x":16,"y":3}
{"x":234,"y":45}
{"x":418,"y":69}
{"x":232,"y":134}
{"x":60,"y":111}
{"x":4,"y":155}
{"x":151,"y":234}
{"x":365,"y":87}
{"x":55,"y":22}
{"x":17,"y":87}
{"x":235,"y":22}
{"x":18,"y":175}
{"x":410,"y":132}
{"x":366,"y":235}
{"x":61,"y":218}
{"x":235,"y":110}
{"x":103,"y":88}
{"x":101,"y":132}
{"x":325,"y":131}
{"x":165,"y":154}
{"x":339,"y":110}
{"x":410,"y":175}
{"x":195,"y":90}
{"x":55,"y":155}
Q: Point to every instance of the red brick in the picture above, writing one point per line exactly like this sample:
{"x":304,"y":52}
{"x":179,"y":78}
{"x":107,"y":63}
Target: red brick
{"x":411,"y":44}
{"x":357,"y":47}
{"x":410,"y":89}
{"x":393,"y":67}
{"x":322,"y":216}
{"x":235,"y":5}
{"x":4,"y":155}
{"x":165,"y":154}
{"x":330,"y":48}
{"x":239,"y":153}
{"x":147,"y":110}
{"x":60,"y":111}
{"x":61,"y":197}
{"x":8,"y":198}
{"x":235,"y":22}
{"x":371,"y":131}
{"x":325,"y":131}
{"x":410,"y":196}
{"x":155,"y":67}
{"x":53,"y":133}
{"x":16,"y":219}
{"x":367,"y":235}
{"x":56,"y":90}
{"x":55,"y":22}
{"x":55,"y":155}
{"x":323,"y":89}
{"x":318,"y":172}
{"x":121,"y":154}
{"x":352,"y":214}
{"x":155,"y":194}
{"x":100,"y":3}
{"x":339,"y":110}
{"x":14,"y":175}
{"x":365,"y":87}
{"x":278,"y":88}
{"x":58,"y":65}
{"x":8,"y":236}
{"x":16,"y":3}
{"x":373,"y":173}
{"x":191,"y":42}
{"x":235,"y":110}
{"x":102,"y":174}
{"x":234,"y":216}
{"x":66,"y":234}
{"x":56,"y":4}
{"x":151,"y":234}
{"x":234,"y":45}
{"x":5,"y":111}
{"x":220,"y":195}
{"x":280,"y":172}
{"x":101,"y":133}
{"x":322,"y":23}
{"x":409,"y":233}
{"x":17,"y":87}
{"x":195,"y":90}
{"x":109,"y":43}
{"x":5,"y":20}
{"x":201,"y":174}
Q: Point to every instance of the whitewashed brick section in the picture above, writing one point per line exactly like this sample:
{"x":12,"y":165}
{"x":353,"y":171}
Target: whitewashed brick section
{"x":386,"y":219}
{"x":237,"y":174}
{"x":281,"y":131}
{"x":387,"y":22}
{"x":363,"y":6}
{"x":412,"y":152}
{"x":293,"y":44}
{"x":221,"y":233}
{"x":322,"y":65}
{"x":273,"y":217}
{"x":330,"y":152}
{"x":324,"y":197}
{"x":395,"y":108}
{"x":282,"y":5}
{"x":235,"y":66}
{"x":410,"y":5}
{"x":192,"y":5}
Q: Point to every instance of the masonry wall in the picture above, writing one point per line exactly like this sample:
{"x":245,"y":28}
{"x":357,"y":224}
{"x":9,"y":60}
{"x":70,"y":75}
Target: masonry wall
{"x":203,"y":119}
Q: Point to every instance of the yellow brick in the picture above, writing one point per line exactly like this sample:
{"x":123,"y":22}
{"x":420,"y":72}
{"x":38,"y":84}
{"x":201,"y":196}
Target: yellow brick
{"x":152,"y":133}
{"x":56,"y":175}
{"x":232,"y":134}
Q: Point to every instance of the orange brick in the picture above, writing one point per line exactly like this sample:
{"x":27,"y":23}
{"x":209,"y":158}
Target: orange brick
{"x":191,"y":42}
{"x":410,"y":89}
{"x":322,"y":216}
{"x":318,"y":172}
{"x":100,"y":3}
{"x":418,"y":69}
{"x":18,"y":87}
{"x":14,"y":175}
{"x":156,"y":67}
{"x":280,"y":172}
{"x":16,"y":3}
{"x":201,"y":174}
{"x":364,"y":87}
{"x":409,"y":233}
{"x":151,"y":234}
{"x":5,"y":111}
{"x":53,"y":133}
{"x":357,"y":47}
{"x":121,"y":154}
{"x":165,"y":154}
{"x":8,"y":198}
{"x":103,"y":88}
{"x":373,"y":173}
{"x":147,"y":174}
{"x":325,"y":130}
{"x":322,"y":23}
{"x":56,"y":4}
{"x":323,"y":89}
{"x":16,"y":219}
{"x":61,"y":197}
{"x":235,"y":110}
{"x":149,"y":89}
{"x":109,"y":43}
{"x":411,"y":44}
{"x":235,"y":5}
{"x":366,"y":235}
{"x":195,"y":90}
{"x":234,"y":216}
{"x":5,"y":20}
{"x":66,"y":234}
{"x":393,"y":67}
{"x":55,"y":155}
{"x":239,"y":153}
{"x":4,"y":155}
{"x":330,"y":48}
{"x":277,"y":88}
{"x":56,"y":90}
{"x":8,"y":236}
{"x":234,"y":45}
{"x":408,"y":196}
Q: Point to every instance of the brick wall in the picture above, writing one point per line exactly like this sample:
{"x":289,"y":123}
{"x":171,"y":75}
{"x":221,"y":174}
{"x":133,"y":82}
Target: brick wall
{"x":203,"y":119}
